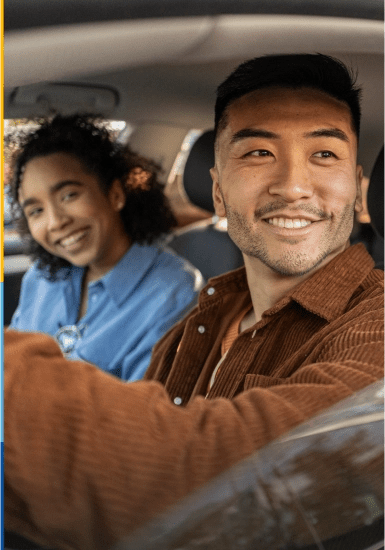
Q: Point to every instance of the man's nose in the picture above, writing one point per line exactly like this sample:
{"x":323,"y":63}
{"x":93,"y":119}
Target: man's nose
{"x":292,"y":182}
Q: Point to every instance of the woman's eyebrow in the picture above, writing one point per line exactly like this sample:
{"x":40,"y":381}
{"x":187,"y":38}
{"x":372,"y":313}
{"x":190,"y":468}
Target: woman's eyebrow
{"x":60,"y":184}
{"x":28,"y":202}
{"x":253,"y":133}
{"x":54,"y":189}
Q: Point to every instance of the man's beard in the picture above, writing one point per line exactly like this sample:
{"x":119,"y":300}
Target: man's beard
{"x":289,"y":262}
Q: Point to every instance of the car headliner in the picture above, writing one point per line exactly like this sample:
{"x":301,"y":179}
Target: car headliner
{"x":160,"y":67}
{"x":18,"y":14}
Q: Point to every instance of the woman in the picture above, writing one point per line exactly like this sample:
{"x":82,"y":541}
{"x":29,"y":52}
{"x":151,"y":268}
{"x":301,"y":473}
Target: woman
{"x":91,"y":211}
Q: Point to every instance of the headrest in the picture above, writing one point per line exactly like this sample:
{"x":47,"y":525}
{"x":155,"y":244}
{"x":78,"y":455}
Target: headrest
{"x":376,"y":195}
{"x":196,"y":176}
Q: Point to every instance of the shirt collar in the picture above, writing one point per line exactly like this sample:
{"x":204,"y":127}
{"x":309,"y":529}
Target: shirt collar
{"x":329,"y":290}
{"x":326,"y":293}
{"x":135,"y":263}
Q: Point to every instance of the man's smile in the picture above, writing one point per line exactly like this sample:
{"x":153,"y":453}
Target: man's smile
{"x":283,"y":226}
{"x":297,"y":219}
{"x":288,"y":223}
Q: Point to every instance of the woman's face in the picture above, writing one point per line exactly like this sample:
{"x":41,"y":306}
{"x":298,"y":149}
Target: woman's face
{"x":69,"y":215}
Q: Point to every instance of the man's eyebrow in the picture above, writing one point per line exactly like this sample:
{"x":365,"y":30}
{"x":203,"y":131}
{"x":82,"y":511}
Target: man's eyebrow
{"x":328,"y":132}
{"x":253,"y":133}
{"x":56,"y":187}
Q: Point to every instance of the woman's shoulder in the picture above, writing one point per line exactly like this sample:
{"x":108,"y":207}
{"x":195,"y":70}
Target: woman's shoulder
{"x":179,"y":269}
{"x":157,"y":266}
{"x":41,"y":275}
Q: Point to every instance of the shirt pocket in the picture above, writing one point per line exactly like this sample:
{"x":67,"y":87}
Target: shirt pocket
{"x":261,"y":381}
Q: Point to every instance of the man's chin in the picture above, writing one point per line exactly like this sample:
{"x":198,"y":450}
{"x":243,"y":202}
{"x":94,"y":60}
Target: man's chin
{"x":285,"y":271}
{"x":294,"y":266}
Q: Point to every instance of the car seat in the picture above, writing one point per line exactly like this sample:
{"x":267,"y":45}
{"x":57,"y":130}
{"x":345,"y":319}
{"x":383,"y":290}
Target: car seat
{"x":206,"y":244}
{"x":375,"y":201}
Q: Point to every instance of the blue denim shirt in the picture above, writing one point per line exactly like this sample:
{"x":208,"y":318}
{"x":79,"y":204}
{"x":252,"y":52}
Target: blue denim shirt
{"x":129,"y":308}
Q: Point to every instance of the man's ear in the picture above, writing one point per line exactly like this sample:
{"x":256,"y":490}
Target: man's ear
{"x":117,"y":196}
{"x":359,"y":177}
{"x":219,"y":205}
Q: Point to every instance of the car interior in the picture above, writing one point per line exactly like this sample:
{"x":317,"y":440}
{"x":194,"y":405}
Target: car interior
{"x":110,"y":67}
{"x":196,"y":520}
{"x":155,"y":66}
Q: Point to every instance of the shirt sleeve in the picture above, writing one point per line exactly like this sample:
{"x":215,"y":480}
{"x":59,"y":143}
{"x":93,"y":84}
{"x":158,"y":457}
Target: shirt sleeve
{"x":88,"y":458}
{"x":26,"y":289}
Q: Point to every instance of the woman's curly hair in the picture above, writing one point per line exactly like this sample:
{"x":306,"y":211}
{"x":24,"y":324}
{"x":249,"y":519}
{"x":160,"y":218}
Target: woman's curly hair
{"x":146,"y":214}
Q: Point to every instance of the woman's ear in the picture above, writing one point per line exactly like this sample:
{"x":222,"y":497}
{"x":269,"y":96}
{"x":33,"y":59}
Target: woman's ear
{"x":117,"y":195}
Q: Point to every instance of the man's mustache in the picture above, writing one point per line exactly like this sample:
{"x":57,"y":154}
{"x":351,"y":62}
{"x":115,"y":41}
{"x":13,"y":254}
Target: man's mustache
{"x":302,"y":208}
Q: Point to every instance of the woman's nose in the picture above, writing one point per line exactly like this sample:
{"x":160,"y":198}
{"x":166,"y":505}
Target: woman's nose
{"x":57,"y":218}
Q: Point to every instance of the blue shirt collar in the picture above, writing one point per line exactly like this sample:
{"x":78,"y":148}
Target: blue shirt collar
{"x":137,"y":260}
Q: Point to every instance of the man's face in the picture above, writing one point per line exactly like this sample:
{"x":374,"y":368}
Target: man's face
{"x":286,"y":177}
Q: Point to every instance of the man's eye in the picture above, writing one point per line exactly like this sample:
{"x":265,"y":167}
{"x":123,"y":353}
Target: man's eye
{"x":324,"y":154}
{"x":260,"y":153}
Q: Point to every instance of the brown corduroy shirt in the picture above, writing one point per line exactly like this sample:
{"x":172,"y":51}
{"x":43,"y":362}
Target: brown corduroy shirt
{"x":88,"y":457}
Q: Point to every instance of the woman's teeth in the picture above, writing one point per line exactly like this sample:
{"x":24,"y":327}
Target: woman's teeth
{"x":288,"y":222}
{"x":68,"y":241}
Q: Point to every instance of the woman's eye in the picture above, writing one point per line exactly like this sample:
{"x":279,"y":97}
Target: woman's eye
{"x":69,"y":195}
{"x":34,"y":212}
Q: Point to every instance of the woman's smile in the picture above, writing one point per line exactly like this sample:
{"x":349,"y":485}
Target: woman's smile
{"x":70,"y":215}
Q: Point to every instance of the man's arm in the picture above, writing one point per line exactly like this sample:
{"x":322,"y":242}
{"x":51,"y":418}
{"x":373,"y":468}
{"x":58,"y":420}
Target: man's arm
{"x":88,"y":458}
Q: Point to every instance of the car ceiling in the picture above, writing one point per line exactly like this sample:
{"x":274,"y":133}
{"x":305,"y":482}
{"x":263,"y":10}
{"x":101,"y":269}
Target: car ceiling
{"x":19,"y":15}
{"x":164,"y":71}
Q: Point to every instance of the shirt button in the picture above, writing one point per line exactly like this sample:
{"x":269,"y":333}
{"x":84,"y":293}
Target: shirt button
{"x":210,"y":291}
{"x":178,"y":400}
{"x":201,"y":329}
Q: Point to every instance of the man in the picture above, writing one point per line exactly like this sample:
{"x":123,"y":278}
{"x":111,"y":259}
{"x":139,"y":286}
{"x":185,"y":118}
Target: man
{"x":89,"y":458}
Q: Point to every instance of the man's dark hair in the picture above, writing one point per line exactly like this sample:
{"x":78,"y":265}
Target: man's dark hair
{"x":290,"y":71}
{"x":146,"y":214}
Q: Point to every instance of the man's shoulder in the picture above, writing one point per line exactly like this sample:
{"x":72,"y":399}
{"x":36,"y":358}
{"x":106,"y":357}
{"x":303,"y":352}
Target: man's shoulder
{"x":231,"y":281}
{"x":363,"y":314}
{"x":370,"y":292}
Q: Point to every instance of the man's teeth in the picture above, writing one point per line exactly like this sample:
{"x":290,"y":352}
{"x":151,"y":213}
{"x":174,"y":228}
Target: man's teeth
{"x":72,"y":239}
{"x":288,"y":222}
